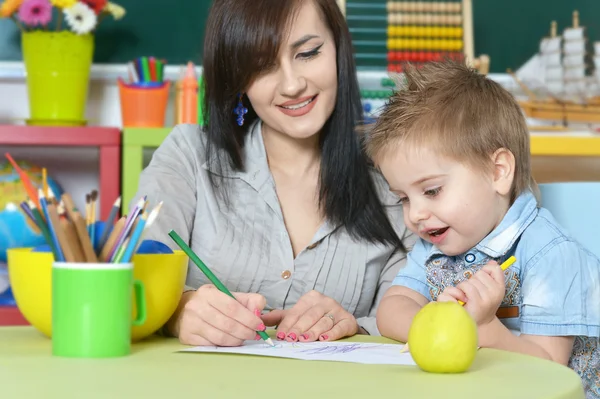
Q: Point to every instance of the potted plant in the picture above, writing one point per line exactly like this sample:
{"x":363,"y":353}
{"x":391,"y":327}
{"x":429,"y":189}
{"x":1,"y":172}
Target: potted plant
{"x":57,"y":39}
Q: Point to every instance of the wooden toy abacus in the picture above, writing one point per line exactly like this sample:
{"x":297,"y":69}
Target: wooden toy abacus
{"x":417,"y":31}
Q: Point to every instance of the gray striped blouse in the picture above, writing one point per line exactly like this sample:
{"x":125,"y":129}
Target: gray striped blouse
{"x":247,"y":246}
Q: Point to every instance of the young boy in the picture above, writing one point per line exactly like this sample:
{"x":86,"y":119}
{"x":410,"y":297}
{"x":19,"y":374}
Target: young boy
{"x":454,"y":147}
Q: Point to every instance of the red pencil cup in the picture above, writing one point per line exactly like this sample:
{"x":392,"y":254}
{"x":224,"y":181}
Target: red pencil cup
{"x":143,"y":106}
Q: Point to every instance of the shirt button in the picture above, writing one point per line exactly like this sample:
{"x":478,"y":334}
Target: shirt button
{"x":470,"y":258}
{"x":286,"y":274}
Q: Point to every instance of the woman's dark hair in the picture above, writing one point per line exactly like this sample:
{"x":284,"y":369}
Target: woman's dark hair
{"x":242,"y":39}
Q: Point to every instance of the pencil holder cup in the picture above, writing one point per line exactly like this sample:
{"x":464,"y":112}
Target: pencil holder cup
{"x":91,"y":309}
{"x":58,"y":68}
{"x":143,"y":106}
{"x":163,"y":275}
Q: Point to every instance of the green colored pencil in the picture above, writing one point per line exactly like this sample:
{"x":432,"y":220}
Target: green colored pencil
{"x":43,"y":227}
{"x":188,"y":251}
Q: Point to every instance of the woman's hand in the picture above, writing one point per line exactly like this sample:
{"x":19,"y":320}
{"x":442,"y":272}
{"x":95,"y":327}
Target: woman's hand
{"x":314,"y":317}
{"x":209,"y":317}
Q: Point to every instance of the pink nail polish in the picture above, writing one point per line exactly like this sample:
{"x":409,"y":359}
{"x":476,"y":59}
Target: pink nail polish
{"x":292,"y":336}
{"x":324,"y":337}
{"x":280,"y":336}
{"x":257,"y":338}
{"x":261,"y":327}
{"x":304,"y":336}
{"x":257,"y":312}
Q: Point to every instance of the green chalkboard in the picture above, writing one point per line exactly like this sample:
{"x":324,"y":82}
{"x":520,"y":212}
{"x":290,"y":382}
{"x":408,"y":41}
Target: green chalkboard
{"x":170,"y":29}
{"x":508,"y":31}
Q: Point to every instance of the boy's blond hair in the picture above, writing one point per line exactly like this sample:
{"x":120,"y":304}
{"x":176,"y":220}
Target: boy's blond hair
{"x":457,"y":112}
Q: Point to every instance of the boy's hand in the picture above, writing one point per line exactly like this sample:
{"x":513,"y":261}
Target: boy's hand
{"x":484,"y":293}
{"x":452,"y":294}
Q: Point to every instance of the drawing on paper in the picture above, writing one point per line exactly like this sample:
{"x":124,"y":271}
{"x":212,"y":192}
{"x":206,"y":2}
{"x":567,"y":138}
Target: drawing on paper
{"x":334,"y":350}
{"x":355,"y":352}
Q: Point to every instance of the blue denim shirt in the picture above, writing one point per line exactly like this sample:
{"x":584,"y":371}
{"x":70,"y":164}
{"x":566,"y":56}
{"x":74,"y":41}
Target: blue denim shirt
{"x":552,"y":289}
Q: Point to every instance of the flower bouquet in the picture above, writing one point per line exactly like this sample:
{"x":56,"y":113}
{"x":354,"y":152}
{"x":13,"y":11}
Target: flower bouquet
{"x":58,"y":45}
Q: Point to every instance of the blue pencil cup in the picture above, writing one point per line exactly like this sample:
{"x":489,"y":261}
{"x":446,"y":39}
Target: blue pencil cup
{"x":576,"y":207}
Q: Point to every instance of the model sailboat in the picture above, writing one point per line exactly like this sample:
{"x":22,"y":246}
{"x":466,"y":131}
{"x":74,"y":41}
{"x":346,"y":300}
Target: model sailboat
{"x":565,"y":92}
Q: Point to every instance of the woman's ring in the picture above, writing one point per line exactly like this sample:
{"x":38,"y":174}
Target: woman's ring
{"x":330,"y":316}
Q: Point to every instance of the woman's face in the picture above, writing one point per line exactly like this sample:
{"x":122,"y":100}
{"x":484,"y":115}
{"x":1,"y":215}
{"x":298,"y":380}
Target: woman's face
{"x":298,"y":95}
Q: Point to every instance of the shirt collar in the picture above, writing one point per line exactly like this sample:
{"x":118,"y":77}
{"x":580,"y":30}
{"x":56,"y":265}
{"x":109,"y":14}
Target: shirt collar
{"x":496,"y":244}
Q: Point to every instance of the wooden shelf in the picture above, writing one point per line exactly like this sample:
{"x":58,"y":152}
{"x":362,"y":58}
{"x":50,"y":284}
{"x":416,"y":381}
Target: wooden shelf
{"x":565,"y":144}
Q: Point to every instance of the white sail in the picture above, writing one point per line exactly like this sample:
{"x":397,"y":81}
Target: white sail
{"x":574,"y":46}
{"x":550,"y":45}
{"x":573,"y":60}
{"x":574,"y":73}
{"x":551,"y":73}
{"x":597,"y":61}
{"x":574,"y":33}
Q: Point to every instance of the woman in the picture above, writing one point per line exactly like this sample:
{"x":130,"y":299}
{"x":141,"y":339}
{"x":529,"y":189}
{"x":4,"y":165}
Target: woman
{"x":275,"y":194}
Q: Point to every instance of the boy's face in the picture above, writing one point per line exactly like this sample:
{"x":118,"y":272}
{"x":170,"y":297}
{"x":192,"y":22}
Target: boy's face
{"x":445,"y":202}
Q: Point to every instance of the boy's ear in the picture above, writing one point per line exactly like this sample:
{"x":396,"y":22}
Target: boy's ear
{"x":504,"y":170}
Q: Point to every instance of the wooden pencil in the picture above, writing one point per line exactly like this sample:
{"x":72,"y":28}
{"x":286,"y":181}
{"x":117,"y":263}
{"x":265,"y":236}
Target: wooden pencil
{"x":65,"y":245}
{"x":80,"y":228}
{"x":112,"y":239}
{"x":69,"y":229}
{"x":45,"y":181}
{"x":94,"y":198}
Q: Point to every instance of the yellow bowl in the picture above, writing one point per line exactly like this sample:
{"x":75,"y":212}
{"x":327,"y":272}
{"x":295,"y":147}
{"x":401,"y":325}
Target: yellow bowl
{"x":163,"y":276}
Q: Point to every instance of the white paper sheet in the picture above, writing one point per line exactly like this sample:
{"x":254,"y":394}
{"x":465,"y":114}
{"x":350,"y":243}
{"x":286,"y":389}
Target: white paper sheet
{"x":354,"y":352}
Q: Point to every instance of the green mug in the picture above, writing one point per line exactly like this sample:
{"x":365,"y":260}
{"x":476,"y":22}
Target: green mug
{"x":92,"y":309}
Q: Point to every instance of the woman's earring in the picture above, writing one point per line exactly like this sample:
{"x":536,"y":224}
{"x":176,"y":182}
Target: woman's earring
{"x":240,"y":111}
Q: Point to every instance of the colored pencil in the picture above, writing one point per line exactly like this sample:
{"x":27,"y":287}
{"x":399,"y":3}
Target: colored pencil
{"x":112,"y":239}
{"x":159,"y":70}
{"x":120,"y":251}
{"x":25,"y":180}
{"x":505,"y":265}
{"x":152,"y":67}
{"x":43,"y":227}
{"x":109,"y":222}
{"x":209,"y":274}
{"x":144,"y":222}
{"x":146,"y":69}
{"x":45,"y":181}
{"x":71,"y":235}
{"x":80,"y":228}
{"x":51,"y":227}
{"x":63,"y":240}
{"x":94,"y":198}
{"x":128,"y":226}
{"x":27,"y":211}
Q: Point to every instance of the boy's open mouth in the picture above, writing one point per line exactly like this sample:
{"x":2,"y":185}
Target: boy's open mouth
{"x":437,"y":232}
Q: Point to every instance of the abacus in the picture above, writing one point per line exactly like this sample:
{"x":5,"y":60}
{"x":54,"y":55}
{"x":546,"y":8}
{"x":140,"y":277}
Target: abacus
{"x":417,"y":31}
